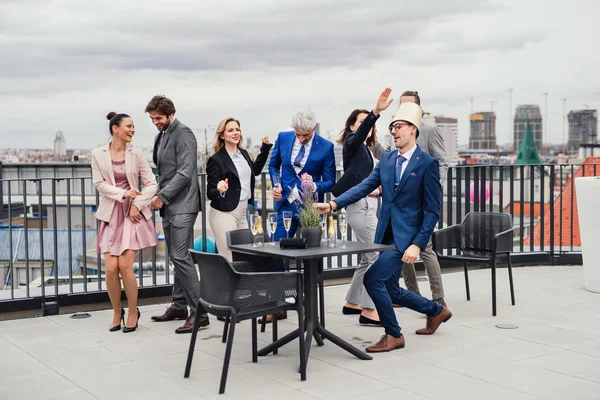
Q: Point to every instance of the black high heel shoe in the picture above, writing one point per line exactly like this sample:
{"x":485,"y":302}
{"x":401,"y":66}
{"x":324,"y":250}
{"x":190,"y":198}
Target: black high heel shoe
{"x":127,"y":329}
{"x":118,"y":327}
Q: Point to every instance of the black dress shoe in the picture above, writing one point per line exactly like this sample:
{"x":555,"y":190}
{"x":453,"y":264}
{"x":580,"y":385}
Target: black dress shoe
{"x":348,"y":310}
{"x":126,"y":329}
{"x":118,"y":327}
{"x":188,"y":327}
{"x":368,"y":321}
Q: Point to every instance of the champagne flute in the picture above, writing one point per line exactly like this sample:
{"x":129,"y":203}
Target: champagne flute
{"x":272,"y":218}
{"x":323,"y":221}
{"x":277,"y":181}
{"x":287,"y":222}
{"x":343,"y":227}
{"x":254,"y":227}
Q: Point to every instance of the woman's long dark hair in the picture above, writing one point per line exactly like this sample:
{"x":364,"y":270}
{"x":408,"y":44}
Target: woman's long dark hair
{"x":351,"y":120}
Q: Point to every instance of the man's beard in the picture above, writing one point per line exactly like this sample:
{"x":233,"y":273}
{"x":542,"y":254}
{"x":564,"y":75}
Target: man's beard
{"x":166,"y":125}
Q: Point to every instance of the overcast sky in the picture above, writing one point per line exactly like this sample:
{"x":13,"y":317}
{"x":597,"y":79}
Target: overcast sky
{"x":65,"y":64}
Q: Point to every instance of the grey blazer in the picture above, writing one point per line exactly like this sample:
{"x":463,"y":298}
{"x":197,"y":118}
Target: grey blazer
{"x":430,"y":140}
{"x":178,"y":171}
{"x":378,"y":150}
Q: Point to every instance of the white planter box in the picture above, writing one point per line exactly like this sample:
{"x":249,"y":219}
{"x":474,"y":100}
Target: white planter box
{"x":588,"y":196}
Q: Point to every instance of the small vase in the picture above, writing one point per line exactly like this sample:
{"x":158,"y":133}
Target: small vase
{"x":312,"y":236}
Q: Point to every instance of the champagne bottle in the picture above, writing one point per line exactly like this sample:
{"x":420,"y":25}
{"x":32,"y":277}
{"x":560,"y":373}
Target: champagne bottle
{"x":331,"y":232}
{"x":260,"y":232}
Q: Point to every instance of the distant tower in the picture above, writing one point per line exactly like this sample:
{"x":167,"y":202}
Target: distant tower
{"x":60,"y":145}
{"x":583,"y":128}
{"x":483,"y":131}
{"x":528,"y":113}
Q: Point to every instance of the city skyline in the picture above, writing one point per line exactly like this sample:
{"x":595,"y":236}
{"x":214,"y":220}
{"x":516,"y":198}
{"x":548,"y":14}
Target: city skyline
{"x":84,"y":60}
{"x":332,"y":135}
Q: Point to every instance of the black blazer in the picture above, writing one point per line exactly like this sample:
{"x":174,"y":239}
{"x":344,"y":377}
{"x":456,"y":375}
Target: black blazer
{"x":220,"y":166}
{"x":357,"y":159}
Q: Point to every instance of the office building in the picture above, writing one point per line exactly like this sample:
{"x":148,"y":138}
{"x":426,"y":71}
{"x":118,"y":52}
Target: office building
{"x":583,"y":128}
{"x":60,"y":145}
{"x":528,"y":113}
{"x":483,"y":131}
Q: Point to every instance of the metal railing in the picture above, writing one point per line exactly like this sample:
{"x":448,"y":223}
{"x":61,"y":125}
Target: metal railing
{"x":49,"y":226}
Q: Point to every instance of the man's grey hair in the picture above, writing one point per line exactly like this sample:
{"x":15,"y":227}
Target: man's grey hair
{"x":304,"y":120}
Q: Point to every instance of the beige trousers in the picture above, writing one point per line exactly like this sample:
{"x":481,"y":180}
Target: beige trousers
{"x":434,"y":272}
{"x":222,"y":222}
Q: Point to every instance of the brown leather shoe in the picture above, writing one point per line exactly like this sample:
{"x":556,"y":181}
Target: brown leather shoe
{"x":188,"y":327}
{"x":387,"y":343}
{"x":170,"y":315}
{"x":434,"y":322}
{"x":280,"y":316}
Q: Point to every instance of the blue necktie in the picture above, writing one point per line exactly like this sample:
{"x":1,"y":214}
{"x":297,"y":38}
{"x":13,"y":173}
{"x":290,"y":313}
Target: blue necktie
{"x":399,"y":161}
{"x":299,"y":157}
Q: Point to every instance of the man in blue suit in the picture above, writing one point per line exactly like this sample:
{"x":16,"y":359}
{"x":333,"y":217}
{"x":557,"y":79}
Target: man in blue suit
{"x":410,"y":207}
{"x":300,"y":155}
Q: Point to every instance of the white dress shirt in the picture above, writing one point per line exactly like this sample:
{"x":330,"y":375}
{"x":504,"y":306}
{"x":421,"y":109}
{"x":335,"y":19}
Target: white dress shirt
{"x":406,"y":155}
{"x":244,"y":173}
{"x":296,"y":150}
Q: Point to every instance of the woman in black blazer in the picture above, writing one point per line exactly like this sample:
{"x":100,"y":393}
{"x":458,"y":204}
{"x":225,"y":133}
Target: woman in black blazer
{"x":359,"y":132}
{"x":230,"y":186}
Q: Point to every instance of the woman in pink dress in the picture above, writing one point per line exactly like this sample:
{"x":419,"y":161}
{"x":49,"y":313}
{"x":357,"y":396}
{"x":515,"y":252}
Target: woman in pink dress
{"x":125,"y":219}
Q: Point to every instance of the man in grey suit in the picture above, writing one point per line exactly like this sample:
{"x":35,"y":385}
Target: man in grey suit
{"x":178,"y":199}
{"x":430,"y":140}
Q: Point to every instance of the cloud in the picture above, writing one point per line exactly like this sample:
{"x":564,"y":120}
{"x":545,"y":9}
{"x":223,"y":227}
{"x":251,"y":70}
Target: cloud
{"x":516,"y":42}
{"x":66,"y":63}
{"x":68,"y":37}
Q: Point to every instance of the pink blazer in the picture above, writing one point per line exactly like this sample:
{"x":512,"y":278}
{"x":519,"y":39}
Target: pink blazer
{"x":104,"y":179}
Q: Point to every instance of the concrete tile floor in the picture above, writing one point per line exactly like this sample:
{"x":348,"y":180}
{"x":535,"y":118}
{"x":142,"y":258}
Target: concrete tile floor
{"x":554,"y":354}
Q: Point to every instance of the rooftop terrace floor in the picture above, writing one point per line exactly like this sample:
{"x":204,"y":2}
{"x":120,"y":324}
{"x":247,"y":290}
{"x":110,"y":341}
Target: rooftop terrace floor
{"x":554,"y":353}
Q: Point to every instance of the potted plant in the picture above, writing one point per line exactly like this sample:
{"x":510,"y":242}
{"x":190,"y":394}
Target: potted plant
{"x":310,"y":220}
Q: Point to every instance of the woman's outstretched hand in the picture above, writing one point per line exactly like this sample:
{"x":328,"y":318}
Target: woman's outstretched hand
{"x":383,"y":102}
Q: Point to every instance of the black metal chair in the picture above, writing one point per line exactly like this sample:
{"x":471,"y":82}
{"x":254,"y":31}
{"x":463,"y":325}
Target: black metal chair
{"x":482,"y":237}
{"x":242,"y":296}
{"x":249,"y":263}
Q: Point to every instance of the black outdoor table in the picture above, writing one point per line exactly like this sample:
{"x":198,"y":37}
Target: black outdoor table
{"x":310,"y":258}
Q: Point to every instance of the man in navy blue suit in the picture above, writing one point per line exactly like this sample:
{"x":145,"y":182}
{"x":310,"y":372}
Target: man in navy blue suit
{"x":410,"y":207}
{"x":297,"y":156}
